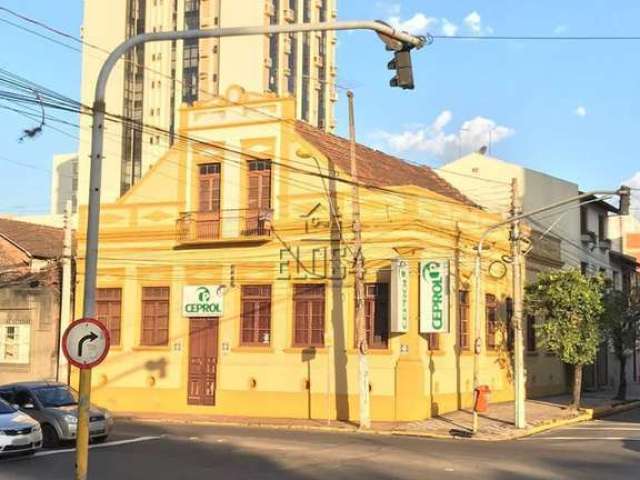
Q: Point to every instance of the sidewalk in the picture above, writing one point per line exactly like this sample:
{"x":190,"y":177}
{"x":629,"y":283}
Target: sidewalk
{"x":494,"y":425}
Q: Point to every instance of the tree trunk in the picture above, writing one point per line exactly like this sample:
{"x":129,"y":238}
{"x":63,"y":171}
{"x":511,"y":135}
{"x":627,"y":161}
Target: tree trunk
{"x":577,"y":386}
{"x":622,"y":385}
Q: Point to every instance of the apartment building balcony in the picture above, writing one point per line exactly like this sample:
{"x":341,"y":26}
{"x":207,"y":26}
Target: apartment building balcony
{"x":223,"y":227}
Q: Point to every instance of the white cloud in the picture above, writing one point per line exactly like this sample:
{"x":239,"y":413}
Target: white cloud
{"x":473,"y":23}
{"x":418,"y":24}
{"x":421,"y":23}
{"x":581,"y":111}
{"x":449,"y":29}
{"x":434,"y":140}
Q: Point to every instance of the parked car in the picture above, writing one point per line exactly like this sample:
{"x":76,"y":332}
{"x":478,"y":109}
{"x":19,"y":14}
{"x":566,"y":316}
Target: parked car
{"x":18,"y":432}
{"x":55,"y":406}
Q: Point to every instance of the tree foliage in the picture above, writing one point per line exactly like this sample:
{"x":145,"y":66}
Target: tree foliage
{"x":568,"y":305}
{"x":621,"y":320}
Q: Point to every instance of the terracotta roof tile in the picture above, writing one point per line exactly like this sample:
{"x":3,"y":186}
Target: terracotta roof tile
{"x":377,"y":168}
{"x":39,"y":241}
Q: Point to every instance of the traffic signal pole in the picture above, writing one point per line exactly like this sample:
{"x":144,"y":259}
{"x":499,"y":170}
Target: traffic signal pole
{"x":97,"y":138}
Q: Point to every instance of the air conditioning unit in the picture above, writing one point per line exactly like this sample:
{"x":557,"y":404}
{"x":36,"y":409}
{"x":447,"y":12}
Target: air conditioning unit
{"x":268,"y":9}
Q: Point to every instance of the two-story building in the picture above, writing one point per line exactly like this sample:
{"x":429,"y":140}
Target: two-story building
{"x":225,"y":277}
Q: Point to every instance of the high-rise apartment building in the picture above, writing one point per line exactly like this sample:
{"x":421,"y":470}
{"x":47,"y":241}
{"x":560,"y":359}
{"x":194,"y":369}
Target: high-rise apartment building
{"x":148,"y":87}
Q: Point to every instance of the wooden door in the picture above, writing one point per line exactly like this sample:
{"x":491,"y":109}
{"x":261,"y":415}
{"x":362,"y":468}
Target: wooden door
{"x":203,"y":359}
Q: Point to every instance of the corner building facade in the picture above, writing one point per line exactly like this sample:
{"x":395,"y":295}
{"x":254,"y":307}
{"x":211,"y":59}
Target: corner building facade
{"x":253,"y":220}
{"x":149,"y":86}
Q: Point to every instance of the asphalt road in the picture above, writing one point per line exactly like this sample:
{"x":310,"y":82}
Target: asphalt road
{"x":607,"y":449}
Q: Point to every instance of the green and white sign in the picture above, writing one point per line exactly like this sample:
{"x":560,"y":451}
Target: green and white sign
{"x":434,"y":296}
{"x":202,"y":301}
{"x":399,"y":296}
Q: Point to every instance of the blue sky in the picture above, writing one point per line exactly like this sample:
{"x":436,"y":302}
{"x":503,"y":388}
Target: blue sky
{"x":566,"y":108}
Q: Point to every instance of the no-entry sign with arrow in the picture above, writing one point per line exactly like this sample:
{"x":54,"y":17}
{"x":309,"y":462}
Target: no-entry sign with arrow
{"x":85,"y":343}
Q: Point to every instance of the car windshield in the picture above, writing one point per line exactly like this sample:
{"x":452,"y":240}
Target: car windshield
{"x":5,"y":407}
{"x":59,"y":396}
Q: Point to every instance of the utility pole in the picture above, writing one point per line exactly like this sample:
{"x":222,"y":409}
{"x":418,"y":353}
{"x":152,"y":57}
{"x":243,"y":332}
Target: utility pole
{"x":361,"y":327}
{"x":518,"y":342}
{"x":65,"y":295}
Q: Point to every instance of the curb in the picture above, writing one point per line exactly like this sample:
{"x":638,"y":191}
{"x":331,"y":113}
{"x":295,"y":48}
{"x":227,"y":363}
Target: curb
{"x":586,"y":415}
{"x":600,"y":412}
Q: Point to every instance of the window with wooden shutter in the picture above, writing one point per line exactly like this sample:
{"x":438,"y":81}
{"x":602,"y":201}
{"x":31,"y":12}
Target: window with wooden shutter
{"x":208,"y":221}
{"x":464,"y":330}
{"x":259,"y":196}
{"x":376,"y":314}
{"x":308,"y":311}
{"x":108,"y":311}
{"x":256,"y":315}
{"x":491,"y":311}
{"x":155,"y":316}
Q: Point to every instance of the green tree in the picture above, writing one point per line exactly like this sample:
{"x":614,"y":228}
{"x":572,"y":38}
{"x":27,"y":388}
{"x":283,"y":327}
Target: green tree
{"x":621,"y":326}
{"x":568,"y":305}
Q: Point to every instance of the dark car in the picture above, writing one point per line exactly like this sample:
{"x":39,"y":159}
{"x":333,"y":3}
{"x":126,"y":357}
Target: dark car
{"x":55,"y":406}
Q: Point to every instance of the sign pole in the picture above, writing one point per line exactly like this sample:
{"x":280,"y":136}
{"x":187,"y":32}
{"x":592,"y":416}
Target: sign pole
{"x":82,"y":439}
{"x":85,"y":344}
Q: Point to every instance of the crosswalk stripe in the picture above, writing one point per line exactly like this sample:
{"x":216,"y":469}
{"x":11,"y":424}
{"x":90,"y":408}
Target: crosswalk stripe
{"x":626,"y":439}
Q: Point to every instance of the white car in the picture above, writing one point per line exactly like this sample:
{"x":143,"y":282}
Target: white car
{"x":18,"y":431}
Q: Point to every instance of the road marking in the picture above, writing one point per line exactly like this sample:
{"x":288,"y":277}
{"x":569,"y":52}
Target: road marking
{"x":630,"y":429}
{"x":45,"y":453}
{"x":626,"y":439}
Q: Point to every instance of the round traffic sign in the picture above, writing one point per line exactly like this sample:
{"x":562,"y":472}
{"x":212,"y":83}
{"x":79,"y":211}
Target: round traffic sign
{"x":85,"y":343}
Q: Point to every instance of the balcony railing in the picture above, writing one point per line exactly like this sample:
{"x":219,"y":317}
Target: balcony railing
{"x":223,"y":225}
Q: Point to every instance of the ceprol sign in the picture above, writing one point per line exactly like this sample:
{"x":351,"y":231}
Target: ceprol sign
{"x":434,"y":296}
{"x":399,"y":296}
{"x":202,"y":301}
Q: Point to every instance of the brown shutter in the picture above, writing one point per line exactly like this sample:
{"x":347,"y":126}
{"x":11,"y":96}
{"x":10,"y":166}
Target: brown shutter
{"x":108,"y":311}
{"x":258,"y":194}
{"x":256,"y":314}
{"x":376,"y":313}
{"x":309,"y":315}
{"x":155,"y":316}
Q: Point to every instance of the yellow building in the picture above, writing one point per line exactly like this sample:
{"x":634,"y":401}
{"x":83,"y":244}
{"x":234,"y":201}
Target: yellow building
{"x":225,"y":277}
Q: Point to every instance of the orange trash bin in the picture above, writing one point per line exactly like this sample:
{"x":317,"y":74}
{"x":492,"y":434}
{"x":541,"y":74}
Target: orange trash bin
{"x":481,"y":402}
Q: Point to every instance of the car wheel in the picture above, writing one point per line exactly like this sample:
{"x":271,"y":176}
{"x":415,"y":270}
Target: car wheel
{"x":50,"y":437}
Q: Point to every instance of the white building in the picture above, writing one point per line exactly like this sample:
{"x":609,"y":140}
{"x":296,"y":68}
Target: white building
{"x":64,"y":183}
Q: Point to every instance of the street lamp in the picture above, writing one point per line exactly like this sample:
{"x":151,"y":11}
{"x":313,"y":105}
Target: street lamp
{"x":405,"y":41}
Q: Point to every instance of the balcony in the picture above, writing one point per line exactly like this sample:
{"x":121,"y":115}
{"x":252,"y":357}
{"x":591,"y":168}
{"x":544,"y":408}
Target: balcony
{"x":224,"y":227}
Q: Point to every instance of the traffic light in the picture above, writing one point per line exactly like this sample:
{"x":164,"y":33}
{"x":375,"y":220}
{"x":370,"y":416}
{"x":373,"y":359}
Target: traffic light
{"x":404,"y":70}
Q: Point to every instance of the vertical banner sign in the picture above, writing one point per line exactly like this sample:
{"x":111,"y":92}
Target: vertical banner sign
{"x":434,"y":296}
{"x":399,"y":296}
